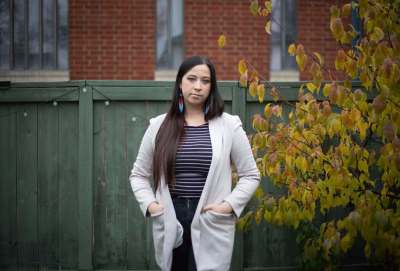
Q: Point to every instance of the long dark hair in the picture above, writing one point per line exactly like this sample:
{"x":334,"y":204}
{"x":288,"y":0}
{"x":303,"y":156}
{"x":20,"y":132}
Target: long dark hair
{"x":172,"y":128}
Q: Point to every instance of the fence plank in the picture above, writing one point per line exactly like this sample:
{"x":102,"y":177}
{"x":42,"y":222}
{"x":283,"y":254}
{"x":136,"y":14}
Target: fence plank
{"x":100,"y":185}
{"x":68,"y":188}
{"x":8,"y":188}
{"x":136,"y":123}
{"x":111,"y":211}
{"x":27,"y":212}
{"x":48,"y":197}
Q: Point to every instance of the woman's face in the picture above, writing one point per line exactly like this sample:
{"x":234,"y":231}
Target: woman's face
{"x":196,"y":86}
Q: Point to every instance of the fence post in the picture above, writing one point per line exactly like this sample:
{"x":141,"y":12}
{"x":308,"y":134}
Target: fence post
{"x":239,"y":108}
{"x":85,"y":186}
{"x":239,"y":103}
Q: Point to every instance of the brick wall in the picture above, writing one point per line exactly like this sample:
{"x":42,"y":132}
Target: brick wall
{"x":314,"y":32}
{"x":206,"y":20}
{"x":112,"y":39}
{"x":116,"y":39}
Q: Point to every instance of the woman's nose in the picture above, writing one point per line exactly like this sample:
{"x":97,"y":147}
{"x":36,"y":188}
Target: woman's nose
{"x":197,"y":84}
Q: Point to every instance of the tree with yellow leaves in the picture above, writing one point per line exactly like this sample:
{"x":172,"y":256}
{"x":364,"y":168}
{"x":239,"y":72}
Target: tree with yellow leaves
{"x":340,"y":147}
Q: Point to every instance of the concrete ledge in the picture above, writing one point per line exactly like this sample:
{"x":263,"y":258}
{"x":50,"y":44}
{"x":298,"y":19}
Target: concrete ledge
{"x":165,"y":75}
{"x":34,"y":76}
{"x":284,"y":76}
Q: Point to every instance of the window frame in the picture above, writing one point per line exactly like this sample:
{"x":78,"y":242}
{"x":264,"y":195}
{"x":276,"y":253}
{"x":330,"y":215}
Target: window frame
{"x":169,"y":69}
{"x":55,"y":28}
{"x":284,"y":56}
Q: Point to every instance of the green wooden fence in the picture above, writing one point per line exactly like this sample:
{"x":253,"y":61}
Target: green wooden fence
{"x":66,"y":151}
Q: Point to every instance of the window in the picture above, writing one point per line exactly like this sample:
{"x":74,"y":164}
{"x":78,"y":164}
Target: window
{"x":169,"y":34}
{"x":283,"y":33}
{"x":33,"y":34}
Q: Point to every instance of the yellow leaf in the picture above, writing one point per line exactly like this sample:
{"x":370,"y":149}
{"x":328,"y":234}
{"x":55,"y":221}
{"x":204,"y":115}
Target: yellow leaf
{"x":268,"y":27}
{"x":292,"y":49}
{"x":326,"y":90}
{"x":221,"y":41}
{"x":267,"y":111}
{"x":377,"y":35}
{"x":311,"y":87}
{"x":259,"y":192}
{"x":363,"y":165}
{"x":243,"y":79}
{"x":258,"y":216}
{"x":301,"y":163}
{"x":267,"y":216}
{"x":277,"y":110}
{"x":268,"y":5}
{"x":335,"y":12}
{"x":367,"y":250}
{"x":301,"y":60}
{"x":242,"y":67}
{"x":346,"y":10}
{"x":319,"y":57}
{"x":370,"y":25}
{"x":260,"y":92}
{"x":253,"y":89}
{"x":351,"y":68}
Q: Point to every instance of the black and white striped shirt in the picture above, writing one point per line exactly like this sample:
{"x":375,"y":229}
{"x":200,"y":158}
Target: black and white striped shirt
{"x":193,"y":160}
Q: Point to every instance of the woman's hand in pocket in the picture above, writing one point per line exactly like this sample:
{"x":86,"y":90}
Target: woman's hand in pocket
{"x":224,"y":208}
{"x":155,"y":208}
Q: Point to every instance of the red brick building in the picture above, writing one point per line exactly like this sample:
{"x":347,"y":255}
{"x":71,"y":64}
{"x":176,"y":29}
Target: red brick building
{"x":123,"y":39}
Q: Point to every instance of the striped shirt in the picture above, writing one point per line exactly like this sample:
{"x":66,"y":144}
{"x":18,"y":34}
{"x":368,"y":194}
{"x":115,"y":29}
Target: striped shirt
{"x":193,"y":160}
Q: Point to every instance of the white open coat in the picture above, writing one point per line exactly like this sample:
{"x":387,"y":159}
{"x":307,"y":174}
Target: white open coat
{"x":212,"y":233}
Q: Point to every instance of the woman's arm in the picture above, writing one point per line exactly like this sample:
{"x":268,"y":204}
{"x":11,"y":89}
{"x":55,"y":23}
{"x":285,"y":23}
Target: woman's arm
{"x":249,"y":175}
{"x":142,"y":173}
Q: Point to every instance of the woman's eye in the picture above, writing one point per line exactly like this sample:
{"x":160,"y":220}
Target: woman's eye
{"x":206,"y":81}
{"x":191,"y":79}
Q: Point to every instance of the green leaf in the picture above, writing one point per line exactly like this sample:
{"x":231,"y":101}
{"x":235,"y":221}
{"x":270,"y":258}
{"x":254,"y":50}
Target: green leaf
{"x":254,"y":7}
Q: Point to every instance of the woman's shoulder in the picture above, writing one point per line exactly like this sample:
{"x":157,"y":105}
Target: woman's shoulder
{"x":157,"y":119}
{"x":233,"y":121}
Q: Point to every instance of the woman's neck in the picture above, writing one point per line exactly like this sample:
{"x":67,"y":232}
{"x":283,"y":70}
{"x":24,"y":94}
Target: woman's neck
{"x":194,"y":117}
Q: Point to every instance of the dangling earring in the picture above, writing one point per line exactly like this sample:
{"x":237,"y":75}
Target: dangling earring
{"x":180,"y":102}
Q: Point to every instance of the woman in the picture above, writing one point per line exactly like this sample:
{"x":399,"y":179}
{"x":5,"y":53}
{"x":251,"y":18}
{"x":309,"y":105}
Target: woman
{"x":188,"y":153}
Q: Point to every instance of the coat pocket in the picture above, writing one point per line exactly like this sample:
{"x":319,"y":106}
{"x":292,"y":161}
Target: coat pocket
{"x":158,"y":235}
{"x":222,"y":217}
{"x":216,"y":240}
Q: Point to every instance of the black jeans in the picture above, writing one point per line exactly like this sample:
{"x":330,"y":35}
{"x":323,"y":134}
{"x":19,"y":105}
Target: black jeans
{"x":183,"y":257}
